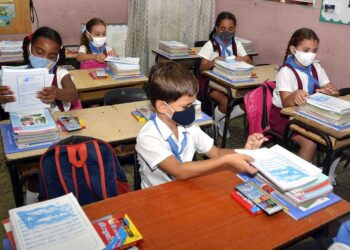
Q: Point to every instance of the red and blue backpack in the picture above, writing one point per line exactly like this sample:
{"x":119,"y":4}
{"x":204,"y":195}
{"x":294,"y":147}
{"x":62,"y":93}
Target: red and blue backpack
{"x":85,"y":166}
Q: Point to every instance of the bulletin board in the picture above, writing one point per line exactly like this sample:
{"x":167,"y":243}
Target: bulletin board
{"x":14,"y":17}
{"x":116,"y":36}
{"x":335,"y":11}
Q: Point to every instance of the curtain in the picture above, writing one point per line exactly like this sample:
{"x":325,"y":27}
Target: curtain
{"x":150,"y":21}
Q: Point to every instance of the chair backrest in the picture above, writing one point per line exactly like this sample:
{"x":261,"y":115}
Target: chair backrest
{"x":344,"y":91}
{"x":124,"y":95}
{"x":137,"y":176}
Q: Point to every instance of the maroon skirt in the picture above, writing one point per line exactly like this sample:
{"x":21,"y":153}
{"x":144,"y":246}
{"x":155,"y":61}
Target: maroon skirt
{"x":278,"y":121}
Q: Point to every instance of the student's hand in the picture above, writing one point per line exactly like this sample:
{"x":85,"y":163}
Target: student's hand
{"x":328,"y":90}
{"x":255,"y":141}
{"x":241,"y":163}
{"x":47,"y":94}
{"x":112,"y":53}
{"x":99,"y":57}
{"x":239,"y":59}
{"x":6,"y":95}
{"x":219,"y":58}
{"x":300,"y":97}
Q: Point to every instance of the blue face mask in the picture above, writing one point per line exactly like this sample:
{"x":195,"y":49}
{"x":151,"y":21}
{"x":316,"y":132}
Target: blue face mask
{"x":41,"y":62}
{"x":185,"y":117}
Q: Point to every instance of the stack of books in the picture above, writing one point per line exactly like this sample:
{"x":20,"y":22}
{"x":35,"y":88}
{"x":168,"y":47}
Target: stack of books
{"x":124,"y":66}
{"x":33,"y":130}
{"x":233,"y":70}
{"x":174,"y":48}
{"x":54,"y":224}
{"x":330,"y":111}
{"x":247,"y":44}
{"x":295,"y":184}
{"x":11,"y":51}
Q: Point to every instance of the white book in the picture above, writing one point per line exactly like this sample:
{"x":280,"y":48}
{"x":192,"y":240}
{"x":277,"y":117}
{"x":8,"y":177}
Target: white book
{"x":54,"y":224}
{"x":173,"y":44}
{"x":25,"y":83}
{"x":233,"y":65}
{"x":329,"y":103}
{"x":283,"y":168}
{"x":123,"y":60}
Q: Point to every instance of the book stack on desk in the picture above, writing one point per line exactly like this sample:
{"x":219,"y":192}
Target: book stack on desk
{"x":330,"y":111}
{"x":174,"y":48}
{"x":35,"y":129}
{"x":294,"y":183}
{"x":11,"y":51}
{"x":232,"y":69}
{"x":124,"y":66}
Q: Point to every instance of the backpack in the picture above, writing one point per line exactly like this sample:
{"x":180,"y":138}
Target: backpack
{"x":85,"y":166}
{"x":258,"y":102}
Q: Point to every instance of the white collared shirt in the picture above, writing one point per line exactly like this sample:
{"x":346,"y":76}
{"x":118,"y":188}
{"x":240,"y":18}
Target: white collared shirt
{"x":207,"y":51}
{"x":152,"y":148}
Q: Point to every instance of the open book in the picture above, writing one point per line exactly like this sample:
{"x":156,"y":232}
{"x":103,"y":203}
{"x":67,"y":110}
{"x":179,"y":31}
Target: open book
{"x":54,"y":224}
{"x":283,"y":168}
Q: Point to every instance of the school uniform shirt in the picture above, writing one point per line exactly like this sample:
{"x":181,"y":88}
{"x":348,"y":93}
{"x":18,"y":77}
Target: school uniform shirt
{"x":152,"y":149}
{"x":207,"y":51}
{"x":83,"y":49}
{"x":60,"y":73}
{"x":286,"y":81}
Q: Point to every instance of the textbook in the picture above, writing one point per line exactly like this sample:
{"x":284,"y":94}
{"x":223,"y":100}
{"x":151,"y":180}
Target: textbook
{"x":284,"y":169}
{"x":123,"y":60}
{"x":296,"y":212}
{"x":117,"y":232}
{"x":25,"y":83}
{"x":230,"y":81}
{"x":329,"y":103}
{"x":174,"y":48}
{"x":54,"y":224}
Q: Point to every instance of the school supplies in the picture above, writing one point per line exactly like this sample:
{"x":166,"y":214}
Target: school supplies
{"x":174,"y":48}
{"x":282,"y":168}
{"x":54,"y":224}
{"x":117,"y":232}
{"x":124,"y":68}
{"x":232,"y":69}
{"x":69,"y":122}
{"x":246,"y":203}
{"x":295,"y":211}
{"x":262,"y":200}
{"x":25,"y":83}
{"x":11,"y":51}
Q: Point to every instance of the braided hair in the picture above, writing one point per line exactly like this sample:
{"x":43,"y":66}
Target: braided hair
{"x":297,"y":37}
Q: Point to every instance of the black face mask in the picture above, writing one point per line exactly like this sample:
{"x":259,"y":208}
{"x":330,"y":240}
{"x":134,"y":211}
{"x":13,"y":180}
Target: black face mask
{"x":226,"y":35}
{"x":185,"y":117}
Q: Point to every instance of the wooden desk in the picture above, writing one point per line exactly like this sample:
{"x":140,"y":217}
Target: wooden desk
{"x":335,"y":141}
{"x":113,"y":124}
{"x":199,"y":214}
{"x":236,"y":91}
{"x":91,"y":90}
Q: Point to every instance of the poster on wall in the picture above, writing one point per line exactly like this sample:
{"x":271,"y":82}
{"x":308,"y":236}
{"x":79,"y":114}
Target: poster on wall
{"x":335,"y":11}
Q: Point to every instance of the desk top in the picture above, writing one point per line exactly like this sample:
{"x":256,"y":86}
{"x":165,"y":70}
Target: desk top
{"x":266,"y":72}
{"x":109,"y":123}
{"x":83,"y":82}
{"x":199,"y":214}
{"x":290,"y":111}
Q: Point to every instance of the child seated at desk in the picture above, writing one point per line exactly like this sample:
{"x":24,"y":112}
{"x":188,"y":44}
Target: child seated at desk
{"x":168,"y":141}
{"x":222,"y":44}
{"x":43,"y":51}
{"x":300,"y":60}
{"x":93,"y":49}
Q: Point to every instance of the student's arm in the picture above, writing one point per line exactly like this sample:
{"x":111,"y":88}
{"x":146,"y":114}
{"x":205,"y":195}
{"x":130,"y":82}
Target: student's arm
{"x":68,"y":93}
{"x":182,"y":171}
{"x":206,"y":65}
{"x":85,"y":57}
{"x":296,"y":98}
{"x":328,"y":89}
{"x":6,"y":95}
{"x":112,"y":52}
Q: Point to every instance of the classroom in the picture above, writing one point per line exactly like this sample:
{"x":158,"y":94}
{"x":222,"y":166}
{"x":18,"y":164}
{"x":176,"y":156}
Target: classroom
{"x":162,"y":124}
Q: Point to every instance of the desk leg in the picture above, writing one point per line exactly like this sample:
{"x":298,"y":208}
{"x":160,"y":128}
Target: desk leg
{"x":16,"y":186}
{"x":229,"y":108}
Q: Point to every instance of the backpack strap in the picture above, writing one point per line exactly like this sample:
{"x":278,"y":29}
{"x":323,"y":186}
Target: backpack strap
{"x":102,"y":171}
{"x":300,"y":84}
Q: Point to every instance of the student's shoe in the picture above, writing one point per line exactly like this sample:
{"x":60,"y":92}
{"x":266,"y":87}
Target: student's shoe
{"x":220,"y":122}
{"x":237,"y":111}
{"x":31,"y":197}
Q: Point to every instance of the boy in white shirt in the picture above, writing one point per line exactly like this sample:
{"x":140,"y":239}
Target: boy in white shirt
{"x":167,"y":143}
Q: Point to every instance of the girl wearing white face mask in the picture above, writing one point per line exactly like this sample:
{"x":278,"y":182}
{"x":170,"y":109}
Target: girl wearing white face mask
{"x":93,"y":49}
{"x":300,"y":76}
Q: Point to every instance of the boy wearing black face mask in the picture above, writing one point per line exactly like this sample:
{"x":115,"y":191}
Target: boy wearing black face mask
{"x":167,"y":143}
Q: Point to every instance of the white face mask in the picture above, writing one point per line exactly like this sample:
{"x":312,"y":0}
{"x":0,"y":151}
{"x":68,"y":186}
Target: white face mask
{"x":97,"y":41}
{"x":305,"y":58}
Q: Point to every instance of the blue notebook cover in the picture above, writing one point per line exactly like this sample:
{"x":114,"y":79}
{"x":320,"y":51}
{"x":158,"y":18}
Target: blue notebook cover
{"x":9,"y":142}
{"x":229,"y":80}
{"x":292,"y":210}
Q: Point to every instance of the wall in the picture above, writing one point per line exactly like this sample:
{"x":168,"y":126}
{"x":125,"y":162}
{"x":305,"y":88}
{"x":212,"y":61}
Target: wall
{"x":271,"y":24}
{"x":66,"y":16}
